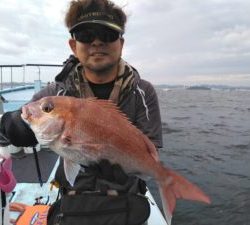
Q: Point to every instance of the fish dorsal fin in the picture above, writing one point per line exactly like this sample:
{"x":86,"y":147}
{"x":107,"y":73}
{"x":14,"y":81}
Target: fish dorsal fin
{"x":109,"y":105}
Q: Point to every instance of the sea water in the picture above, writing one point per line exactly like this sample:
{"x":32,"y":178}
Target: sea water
{"x":207,"y":139}
{"x":16,"y":99}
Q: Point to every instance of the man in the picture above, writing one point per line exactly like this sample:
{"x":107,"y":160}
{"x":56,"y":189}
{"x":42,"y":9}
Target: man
{"x":96,"y":70}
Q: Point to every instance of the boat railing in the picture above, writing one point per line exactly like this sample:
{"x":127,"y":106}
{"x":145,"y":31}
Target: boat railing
{"x":14,"y":75}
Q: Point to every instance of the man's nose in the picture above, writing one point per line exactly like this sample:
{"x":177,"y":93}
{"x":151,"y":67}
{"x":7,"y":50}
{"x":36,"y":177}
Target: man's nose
{"x":97,"y":42}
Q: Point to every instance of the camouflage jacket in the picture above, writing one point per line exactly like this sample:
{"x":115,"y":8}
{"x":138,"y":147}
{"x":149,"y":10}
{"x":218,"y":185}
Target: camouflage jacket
{"x":134,"y":96}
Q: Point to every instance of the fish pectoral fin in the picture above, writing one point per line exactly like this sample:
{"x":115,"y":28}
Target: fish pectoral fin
{"x":71,"y":170}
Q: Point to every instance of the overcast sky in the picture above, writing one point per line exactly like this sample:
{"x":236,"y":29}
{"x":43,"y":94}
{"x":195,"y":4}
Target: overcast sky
{"x":173,"y":42}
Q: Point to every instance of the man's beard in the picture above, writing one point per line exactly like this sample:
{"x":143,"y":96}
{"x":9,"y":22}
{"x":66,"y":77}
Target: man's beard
{"x":101,"y":69}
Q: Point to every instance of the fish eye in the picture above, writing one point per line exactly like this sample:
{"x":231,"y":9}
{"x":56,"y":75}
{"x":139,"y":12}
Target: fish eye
{"x":47,"y":107}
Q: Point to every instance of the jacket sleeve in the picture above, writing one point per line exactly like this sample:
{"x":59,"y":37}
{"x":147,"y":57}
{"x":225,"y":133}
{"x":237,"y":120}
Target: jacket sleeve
{"x":13,"y":130}
{"x":148,"y":118}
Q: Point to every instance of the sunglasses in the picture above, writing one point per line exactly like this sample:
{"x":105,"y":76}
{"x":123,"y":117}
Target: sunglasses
{"x":88,"y":35}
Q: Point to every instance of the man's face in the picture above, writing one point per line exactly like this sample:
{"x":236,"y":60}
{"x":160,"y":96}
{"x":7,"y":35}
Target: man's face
{"x":97,"y":47}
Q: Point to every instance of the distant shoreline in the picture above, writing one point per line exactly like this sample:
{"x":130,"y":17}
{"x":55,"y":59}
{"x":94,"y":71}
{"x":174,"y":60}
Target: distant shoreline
{"x":6,"y":85}
{"x":202,"y":87}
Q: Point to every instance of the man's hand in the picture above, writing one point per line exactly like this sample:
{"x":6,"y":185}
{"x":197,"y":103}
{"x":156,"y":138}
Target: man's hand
{"x":106,"y":171}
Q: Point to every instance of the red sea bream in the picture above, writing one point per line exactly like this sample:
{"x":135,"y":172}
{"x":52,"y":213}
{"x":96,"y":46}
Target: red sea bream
{"x":84,"y":131}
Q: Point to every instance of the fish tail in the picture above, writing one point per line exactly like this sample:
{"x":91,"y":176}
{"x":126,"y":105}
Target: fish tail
{"x":173,"y":187}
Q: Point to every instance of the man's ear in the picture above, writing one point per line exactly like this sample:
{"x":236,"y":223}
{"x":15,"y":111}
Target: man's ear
{"x":72,"y":44}
{"x":122,"y":41}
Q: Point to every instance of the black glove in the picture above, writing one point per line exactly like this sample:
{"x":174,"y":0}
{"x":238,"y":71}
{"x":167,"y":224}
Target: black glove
{"x":4,"y":141}
{"x":107,"y":171}
{"x":112,"y":176}
{"x":13,"y":130}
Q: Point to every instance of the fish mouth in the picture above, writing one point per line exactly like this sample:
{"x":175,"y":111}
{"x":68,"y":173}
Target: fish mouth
{"x":25,"y":115}
{"x":29,"y":114}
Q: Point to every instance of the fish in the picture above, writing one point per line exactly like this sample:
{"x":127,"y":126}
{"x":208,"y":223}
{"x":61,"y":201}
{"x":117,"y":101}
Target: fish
{"x":85,"y":131}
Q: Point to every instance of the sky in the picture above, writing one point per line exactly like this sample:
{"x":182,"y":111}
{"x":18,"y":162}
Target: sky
{"x":183,"y":42}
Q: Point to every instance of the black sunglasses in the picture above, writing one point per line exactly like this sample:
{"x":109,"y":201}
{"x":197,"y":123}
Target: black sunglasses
{"x":88,"y":35}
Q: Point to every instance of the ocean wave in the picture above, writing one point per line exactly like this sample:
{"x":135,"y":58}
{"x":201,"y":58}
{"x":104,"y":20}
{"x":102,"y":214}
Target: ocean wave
{"x":181,"y":118}
{"x":240,"y":146}
{"x":167,"y":130}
